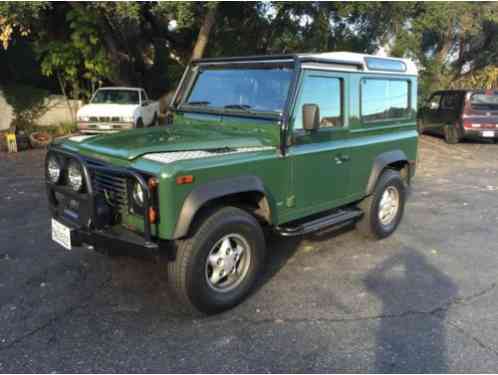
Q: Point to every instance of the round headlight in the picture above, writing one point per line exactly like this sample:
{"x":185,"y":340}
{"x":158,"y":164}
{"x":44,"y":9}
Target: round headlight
{"x":138,"y":194}
{"x":53,"y":169}
{"x":74,"y":176}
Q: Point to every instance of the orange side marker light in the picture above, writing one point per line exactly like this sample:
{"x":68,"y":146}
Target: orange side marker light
{"x":182,"y":180}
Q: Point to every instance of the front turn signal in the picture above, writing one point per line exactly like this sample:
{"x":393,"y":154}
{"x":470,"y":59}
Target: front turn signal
{"x":152,"y":215}
{"x":152,"y":183}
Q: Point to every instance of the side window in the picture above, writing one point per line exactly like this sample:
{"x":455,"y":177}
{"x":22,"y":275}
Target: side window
{"x":384,"y":99}
{"x":450,"y":101}
{"x":434,"y":102}
{"x":144,"y":96}
{"x":326,"y":93}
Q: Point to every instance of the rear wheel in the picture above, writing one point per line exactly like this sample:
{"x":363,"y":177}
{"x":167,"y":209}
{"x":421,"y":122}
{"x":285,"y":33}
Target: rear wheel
{"x":140,"y":123}
{"x":216,"y":268}
{"x":451,"y":135}
{"x":420,"y":127}
{"x":383,"y":209}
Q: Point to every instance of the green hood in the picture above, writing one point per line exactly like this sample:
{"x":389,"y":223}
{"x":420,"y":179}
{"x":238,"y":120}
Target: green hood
{"x":129,"y":145}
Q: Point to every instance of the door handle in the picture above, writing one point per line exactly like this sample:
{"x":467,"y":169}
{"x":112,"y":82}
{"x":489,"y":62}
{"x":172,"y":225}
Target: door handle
{"x":341,"y":158}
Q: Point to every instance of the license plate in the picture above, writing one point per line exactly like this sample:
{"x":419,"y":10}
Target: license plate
{"x":488,"y":134}
{"x":105,"y":127}
{"x":61,"y":234}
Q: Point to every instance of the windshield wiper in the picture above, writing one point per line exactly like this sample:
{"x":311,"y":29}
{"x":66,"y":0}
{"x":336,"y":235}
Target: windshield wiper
{"x":244,"y":107}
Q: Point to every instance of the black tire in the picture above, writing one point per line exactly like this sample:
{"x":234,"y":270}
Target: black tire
{"x":370,"y":225}
{"x":155,"y":120}
{"x":188,"y":275}
{"x":451,"y":135}
{"x":140,"y":123}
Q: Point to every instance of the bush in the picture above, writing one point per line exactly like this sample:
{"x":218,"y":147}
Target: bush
{"x":28,"y":104}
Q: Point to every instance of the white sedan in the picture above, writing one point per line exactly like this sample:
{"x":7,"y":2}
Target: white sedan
{"x":117,"y":108}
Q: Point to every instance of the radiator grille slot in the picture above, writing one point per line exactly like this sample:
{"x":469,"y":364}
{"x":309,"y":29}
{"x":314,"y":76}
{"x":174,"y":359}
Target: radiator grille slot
{"x":112,"y":186}
{"x":105,"y":119}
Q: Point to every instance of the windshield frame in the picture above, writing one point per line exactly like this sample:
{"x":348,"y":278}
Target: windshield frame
{"x":190,"y":78}
{"x":115,"y":89}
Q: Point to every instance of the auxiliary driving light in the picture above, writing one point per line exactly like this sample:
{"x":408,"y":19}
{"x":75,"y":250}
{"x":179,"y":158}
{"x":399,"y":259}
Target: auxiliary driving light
{"x":53,"y":169}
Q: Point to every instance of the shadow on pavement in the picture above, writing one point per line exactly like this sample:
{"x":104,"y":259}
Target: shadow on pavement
{"x":414,"y":294}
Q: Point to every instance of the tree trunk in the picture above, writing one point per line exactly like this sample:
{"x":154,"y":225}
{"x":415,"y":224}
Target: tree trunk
{"x":203,"y":37}
{"x":62,"y":86}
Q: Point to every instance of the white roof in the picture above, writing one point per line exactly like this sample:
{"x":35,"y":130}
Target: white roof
{"x":359,"y":58}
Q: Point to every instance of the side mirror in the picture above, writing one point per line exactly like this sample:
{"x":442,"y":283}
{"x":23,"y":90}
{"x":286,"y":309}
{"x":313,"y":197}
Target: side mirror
{"x":433,"y":105}
{"x":311,"y":117}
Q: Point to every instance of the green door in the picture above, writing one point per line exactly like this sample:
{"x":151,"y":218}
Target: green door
{"x":320,"y":160}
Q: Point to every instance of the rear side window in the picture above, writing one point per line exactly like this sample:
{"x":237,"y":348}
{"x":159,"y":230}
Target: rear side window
{"x":450,"y":101}
{"x":384,"y":99}
{"x":434,"y":102}
{"x":326,"y":93}
{"x":484,"y":101}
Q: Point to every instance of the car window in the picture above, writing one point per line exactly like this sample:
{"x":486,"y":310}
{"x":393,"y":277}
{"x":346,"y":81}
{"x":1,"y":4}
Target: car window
{"x":384,"y":99}
{"x":144,"y":96}
{"x":326,"y":93}
{"x":484,"y":101}
{"x":434,"y":102}
{"x":114,"y":96}
{"x":450,"y":100}
{"x":248,"y":89}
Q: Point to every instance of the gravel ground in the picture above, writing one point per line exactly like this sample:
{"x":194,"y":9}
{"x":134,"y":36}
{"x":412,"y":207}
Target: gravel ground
{"x":423,"y":300}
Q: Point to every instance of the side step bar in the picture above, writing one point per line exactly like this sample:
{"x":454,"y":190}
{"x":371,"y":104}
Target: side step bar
{"x":339,"y":217}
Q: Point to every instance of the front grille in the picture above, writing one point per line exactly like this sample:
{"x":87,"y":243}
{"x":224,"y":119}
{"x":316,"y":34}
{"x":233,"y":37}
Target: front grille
{"x":105,"y":119}
{"x":112,"y":186}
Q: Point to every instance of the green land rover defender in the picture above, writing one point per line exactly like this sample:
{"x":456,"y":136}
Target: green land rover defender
{"x":285,"y":143}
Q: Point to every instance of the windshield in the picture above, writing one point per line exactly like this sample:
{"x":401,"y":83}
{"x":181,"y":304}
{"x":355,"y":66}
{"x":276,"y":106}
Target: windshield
{"x":116,"y":97}
{"x":485,"y":101}
{"x":258,"y":89}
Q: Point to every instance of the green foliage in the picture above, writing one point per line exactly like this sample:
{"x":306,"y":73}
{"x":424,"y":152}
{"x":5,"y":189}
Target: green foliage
{"x":149,"y":43}
{"x":79,"y":62}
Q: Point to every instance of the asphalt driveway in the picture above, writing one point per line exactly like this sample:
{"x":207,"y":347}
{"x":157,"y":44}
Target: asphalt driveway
{"x":424,"y":299}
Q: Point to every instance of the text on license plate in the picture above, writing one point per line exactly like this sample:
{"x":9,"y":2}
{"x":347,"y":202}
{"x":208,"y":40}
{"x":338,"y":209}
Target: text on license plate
{"x":61,"y":234}
{"x":488,"y":133}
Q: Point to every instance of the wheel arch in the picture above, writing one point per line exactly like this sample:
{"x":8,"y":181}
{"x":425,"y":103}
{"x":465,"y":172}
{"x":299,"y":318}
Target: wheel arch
{"x":395,"y":159}
{"x":247,"y":192}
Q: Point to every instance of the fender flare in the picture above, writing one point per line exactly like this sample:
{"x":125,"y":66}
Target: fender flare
{"x":380,"y":163}
{"x":212,"y":190}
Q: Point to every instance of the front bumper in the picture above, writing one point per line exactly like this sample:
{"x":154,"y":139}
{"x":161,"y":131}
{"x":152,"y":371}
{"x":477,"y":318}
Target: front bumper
{"x":99,"y":127}
{"x":91,"y":218}
{"x":112,"y":241}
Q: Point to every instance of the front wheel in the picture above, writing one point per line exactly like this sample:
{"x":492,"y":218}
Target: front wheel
{"x":155,"y":120}
{"x":216,"y":268}
{"x":383,"y":210}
